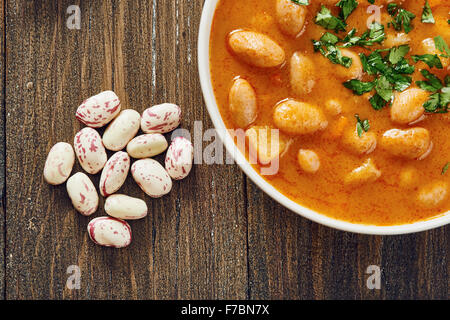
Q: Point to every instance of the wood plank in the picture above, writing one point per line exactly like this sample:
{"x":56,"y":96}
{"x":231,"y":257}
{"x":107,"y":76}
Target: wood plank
{"x":192,"y":245}
{"x":2,"y":150}
{"x":196,"y":246}
{"x":50,"y":69}
{"x":292,"y":258}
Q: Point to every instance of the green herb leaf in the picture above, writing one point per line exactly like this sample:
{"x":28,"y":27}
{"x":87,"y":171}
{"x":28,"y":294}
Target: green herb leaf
{"x":384,"y":88}
{"x":397,"y":53}
{"x":440,"y":44}
{"x":392,"y":8}
{"x":325,"y":19}
{"x":427,"y":14}
{"x":375,"y":34}
{"x":432,"y":105}
{"x":445,"y":97}
{"x":401,"y":18}
{"x":332,"y":53}
{"x":433,"y":85}
{"x":403,"y":66}
{"x":359,"y":87}
{"x":439,"y":100}
{"x":432,"y":60}
{"x":347,"y":7}
{"x":445,"y":168}
{"x":329,"y":38}
{"x":377,"y":102}
{"x":361,"y":125}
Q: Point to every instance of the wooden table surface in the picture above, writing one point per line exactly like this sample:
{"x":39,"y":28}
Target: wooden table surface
{"x":216,"y":235}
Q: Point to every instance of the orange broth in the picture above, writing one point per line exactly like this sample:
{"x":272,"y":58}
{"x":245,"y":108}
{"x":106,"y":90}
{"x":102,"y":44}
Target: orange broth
{"x":383,"y":202}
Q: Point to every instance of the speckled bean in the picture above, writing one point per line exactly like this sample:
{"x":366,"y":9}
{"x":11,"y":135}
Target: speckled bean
{"x":114,"y":173}
{"x":151,"y":176}
{"x":110,"y":232}
{"x":59,"y":163}
{"x":179,"y":158}
{"x":82,"y":192}
{"x":161,"y":118}
{"x":122,"y":130}
{"x":147,"y":145}
{"x":90,"y":150}
{"x":99,"y":110}
{"x":121,"y":206}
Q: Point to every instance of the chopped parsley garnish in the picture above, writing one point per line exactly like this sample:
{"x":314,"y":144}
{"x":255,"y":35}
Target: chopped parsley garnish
{"x":396,"y":54}
{"x":301,"y":2}
{"x":329,"y":43}
{"x":371,"y":1}
{"x":375,"y":34}
{"x":442,"y":46}
{"x":427,"y":14}
{"x":347,"y":7}
{"x":359,"y":87}
{"x":440,"y":98}
{"x":390,"y":71}
{"x":361,"y":125}
{"x":400,"y":18}
{"x":432,"y":60}
{"x":445,"y":168}
{"x":327,"y":47}
{"x":325,"y":19}
{"x":433,"y":84}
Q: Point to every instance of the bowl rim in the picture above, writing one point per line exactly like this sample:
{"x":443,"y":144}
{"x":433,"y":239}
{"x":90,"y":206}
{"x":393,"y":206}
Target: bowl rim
{"x":203,"y":48}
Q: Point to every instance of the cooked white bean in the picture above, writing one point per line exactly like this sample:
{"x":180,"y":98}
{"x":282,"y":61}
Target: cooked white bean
{"x":90,"y":150}
{"x":355,"y":71}
{"x":414,"y":143}
{"x":99,"y":110}
{"x":242,"y":103}
{"x":366,"y":173}
{"x":396,"y":39}
{"x":123,"y":207}
{"x":82,"y":192}
{"x":432,"y":195}
{"x":179,"y":158}
{"x":359,"y":145}
{"x":109,"y":232}
{"x":308,"y":160}
{"x":256,"y":49}
{"x":122,"y":130}
{"x":147,"y":145}
{"x":333,"y":107}
{"x":296,"y":117}
{"x":429,"y":47}
{"x":291,"y":17}
{"x":266,"y":144}
{"x":151,"y":176}
{"x":161,"y":118}
{"x":407,"y":178}
{"x":114,"y":173}
{"x":302,"y":73}
{"x":59,"y":163}
{"x":408,"y":106}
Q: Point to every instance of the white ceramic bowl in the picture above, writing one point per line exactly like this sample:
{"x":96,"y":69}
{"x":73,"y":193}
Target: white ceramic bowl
{"x":205,"y":80}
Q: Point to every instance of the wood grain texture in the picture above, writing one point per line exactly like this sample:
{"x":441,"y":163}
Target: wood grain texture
{"x":290,"y":257}
{"x":145,"y":51}
{"x":216,"y":236}
{"x":2,"y":151}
